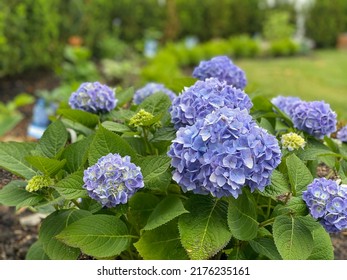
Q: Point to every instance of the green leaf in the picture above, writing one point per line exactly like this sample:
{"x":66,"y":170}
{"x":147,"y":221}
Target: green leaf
{"x":261,"y":103}
{"x":141,"y":205}
{"x":299,"y":175}
{"x":116,"y":127}
{"x":279,"y":185}
{"x":52,"y":226}
{"x":8,"y":122}
{"x":85,"y":118}
{"x":53,"y":140}
{"x":156,"y":104}
{"x":242,"y":217}
{"x":204,"y":230}
{"x":294,"y":206}
{"x":265,"y":246}
{"x":322,"y":248}
{"x":160,"y":183}
{"x":162,"y":243}
{"x":168,"y":209}
{"x":48,"y":166}
{"x":106,"y":142}
{"x":264,"y":123}
{"x":79,"y":128}
{"x":121,"y":115}
{"x":100,"y":236}
{"x":292,"y":238}
{"x":124,"y":96}
{"x":90,"y":205}
{"x":71,"y":186}
{"x":14,"y":194}
{"x":313,"y":150}
{"x":36,"y":252}
{"x":153,"y":166}
{"x":23,"y":99}
{"x":164,"y":134}
{"x":12,"y":158}
{"x":76,"y":154}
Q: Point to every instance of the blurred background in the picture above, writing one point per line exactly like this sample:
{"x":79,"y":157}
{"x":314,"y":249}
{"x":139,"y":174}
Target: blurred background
{"x":48,"y":48}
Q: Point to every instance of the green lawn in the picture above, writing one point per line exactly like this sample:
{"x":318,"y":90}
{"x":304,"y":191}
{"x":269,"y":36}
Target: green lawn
{"x":319,"y":76}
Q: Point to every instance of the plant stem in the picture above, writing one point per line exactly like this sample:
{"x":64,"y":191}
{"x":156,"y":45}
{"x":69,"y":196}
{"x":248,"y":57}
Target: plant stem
{"x":74,"y":201}
{"x":268,"y":207}
{"x":267,"y":222}
{"x":145,"y":137}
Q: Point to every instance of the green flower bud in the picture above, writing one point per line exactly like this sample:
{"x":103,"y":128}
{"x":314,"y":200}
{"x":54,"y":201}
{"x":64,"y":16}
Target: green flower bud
{"x":292,"y":141}
{"x":38,"y":182}
{"x":142,"y":118}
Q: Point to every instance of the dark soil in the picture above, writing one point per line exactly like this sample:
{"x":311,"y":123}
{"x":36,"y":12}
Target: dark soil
{"x":15,"y":239}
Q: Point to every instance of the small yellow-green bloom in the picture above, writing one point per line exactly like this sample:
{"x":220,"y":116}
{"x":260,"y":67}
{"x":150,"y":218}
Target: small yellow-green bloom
{"x":142,"y":118}
{"x":292,"y":141}
{"x":38,"y":182}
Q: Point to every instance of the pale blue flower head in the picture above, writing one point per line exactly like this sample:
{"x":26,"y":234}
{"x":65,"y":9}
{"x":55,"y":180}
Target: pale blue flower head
{"x":113,"y":180}
{"x":286,"y":103}
{"x":222,"y":68}
{"x":327,"y":202}
{"x":222,"y":153}
{"x":202,"y":98}
{"x":94,"y":98}
{"x":342,"y":134}
{"x":149,"y":89}
{"x":316,"y":118}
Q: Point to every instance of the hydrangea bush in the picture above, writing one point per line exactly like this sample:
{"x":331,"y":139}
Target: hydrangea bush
{"x":119,"y":179}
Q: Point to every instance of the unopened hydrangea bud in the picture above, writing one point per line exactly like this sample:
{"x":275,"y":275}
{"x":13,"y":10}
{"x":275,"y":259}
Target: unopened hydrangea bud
{"x":292,"y":141}
{"x":141,"y":118}
{"x":113,"y":180}
{"x":222,"y":68}
{"x":94,"y":98}
{"x":327,"y":202}
{"x":38,"y":182}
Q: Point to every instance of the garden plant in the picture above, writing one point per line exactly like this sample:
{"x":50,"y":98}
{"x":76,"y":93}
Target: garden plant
{"x":210,"y":172}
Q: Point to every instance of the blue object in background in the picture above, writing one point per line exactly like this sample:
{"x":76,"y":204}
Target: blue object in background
{"x":151,"y":47}
{"x":40,"y":119}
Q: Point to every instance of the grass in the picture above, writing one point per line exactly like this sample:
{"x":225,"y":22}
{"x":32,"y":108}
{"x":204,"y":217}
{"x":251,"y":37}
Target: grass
{"x":319,"y":76}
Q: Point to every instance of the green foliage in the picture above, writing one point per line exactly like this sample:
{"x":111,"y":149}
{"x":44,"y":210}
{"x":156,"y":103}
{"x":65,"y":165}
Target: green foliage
{"x":204,"y":230}
{"x":9,"y":114}
{"x":243,"y":209}
{"x":53,"y":225}
{"x":109,"y":238}
{"x":277,"y":26}
{"x":292,"y":238}
{"x":325,"y":33}
{"x":33,"y":39}
{"x":160,"y":221}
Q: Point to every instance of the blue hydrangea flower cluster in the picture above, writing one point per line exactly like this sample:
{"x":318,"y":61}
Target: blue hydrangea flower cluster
{"x":222,"y":68}
{"x":94,"y":98}
{"x":342,"y":134}
{"x":327,"y":202}
{"x":203,"y":97}
{"x":286,"y":103}
{"x":223,"y":152}
{"x":149,"y":89}
{"x":112,"y":180}
{"x":316,"y":118}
